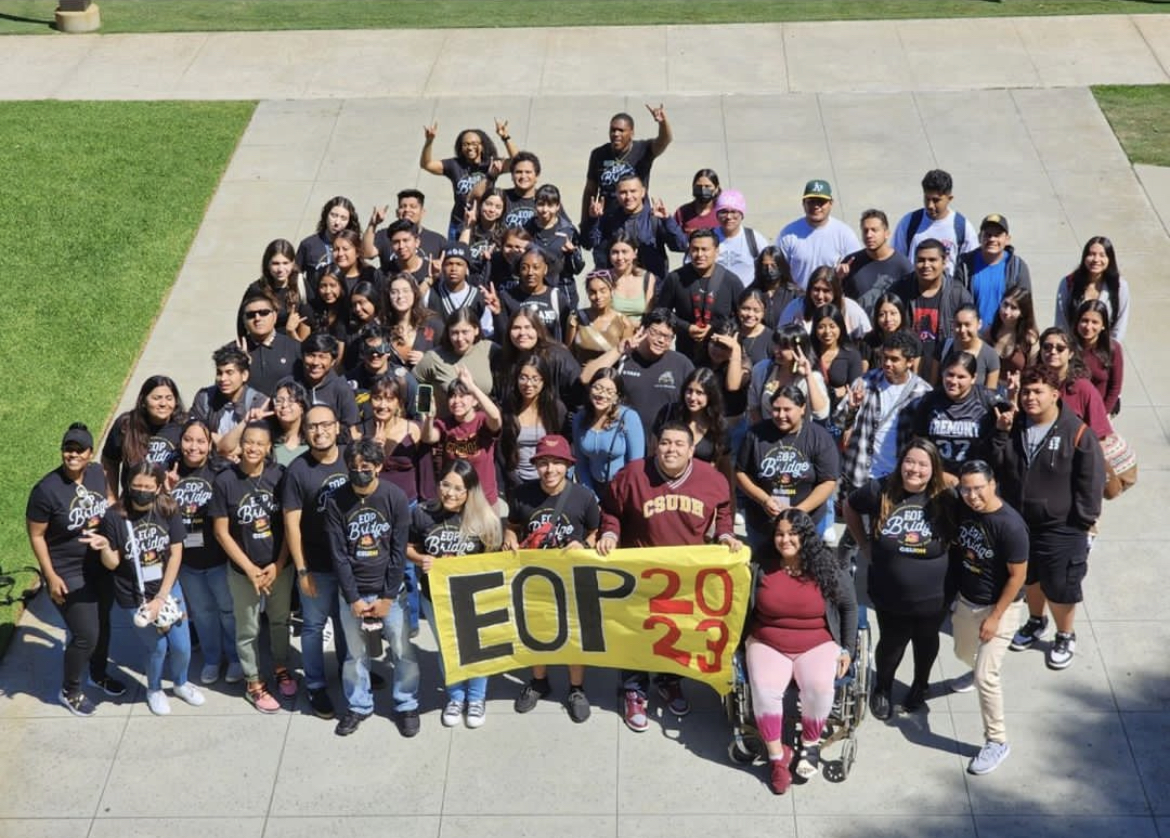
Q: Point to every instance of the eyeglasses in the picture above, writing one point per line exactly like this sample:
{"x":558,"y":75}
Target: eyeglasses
{"x":530,"y":379}
{"x":452,"y":489}
{"x":321,"y":426}
{"x":284,"y":402}
{"x":967,"y":491}
{"x":598,"y":390}
{"x":257,"y":312}
{"x":657,"y":334}
{"x":1054,"y":347}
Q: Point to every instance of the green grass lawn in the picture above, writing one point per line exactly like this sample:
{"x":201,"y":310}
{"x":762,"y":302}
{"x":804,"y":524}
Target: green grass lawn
{"x":31,"y":16}
{"x":101,"y":203}
{"x":1139,"y":118}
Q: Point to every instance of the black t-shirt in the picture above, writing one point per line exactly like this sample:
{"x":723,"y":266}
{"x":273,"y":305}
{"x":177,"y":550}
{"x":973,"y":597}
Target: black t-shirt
{"x":869,"y":278}
{"x":552,"y":307}
{"x":313,"y":253}
{"x":532,"y":511}
{"x":151,"y":548}
{"x":430,"y":243}
{"x":193,"y":495}
{"x":367,"y":537}
{"x":162,"y":449}
{"x":651,"y":384}
{"x":435,"y":532}
{"x":788,"y":466}
{"x":961,"y":430}
{"x":307,"y":486}
{"x":987,"y":543}
{"x":606,"y":167}
{"x":70,"y":510}
{"x":517,"y":209}
{"x":463,"y":180}
{"x":909,"y":568}
{"x":334,"y":391}
{"x":926,"y":323}
{"x":252,"y":507}
{"x":270,"y":363}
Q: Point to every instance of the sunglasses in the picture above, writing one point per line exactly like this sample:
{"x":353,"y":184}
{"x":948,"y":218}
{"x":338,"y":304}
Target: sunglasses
{"x":1054,"y":347}
{"x":257,"y":312}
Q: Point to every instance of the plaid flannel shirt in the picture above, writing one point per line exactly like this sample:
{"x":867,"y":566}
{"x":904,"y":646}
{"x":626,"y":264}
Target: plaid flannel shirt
{"x":866,"y":421}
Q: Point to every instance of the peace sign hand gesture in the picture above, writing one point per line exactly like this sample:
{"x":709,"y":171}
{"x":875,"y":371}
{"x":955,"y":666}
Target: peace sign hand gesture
{"x":431,"y":131}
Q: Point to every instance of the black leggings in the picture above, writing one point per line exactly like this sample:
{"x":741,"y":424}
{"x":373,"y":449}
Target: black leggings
{"x":898,"y":630}
{"x":86,"y":612}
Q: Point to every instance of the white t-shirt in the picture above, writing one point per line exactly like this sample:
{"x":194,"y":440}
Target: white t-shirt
{"x":807,"y":248}
{"x":736,"y":256}
{"x":943,"y":229}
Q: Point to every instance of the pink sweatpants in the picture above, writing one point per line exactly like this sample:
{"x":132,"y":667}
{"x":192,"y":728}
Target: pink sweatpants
{"x":770,"y":672}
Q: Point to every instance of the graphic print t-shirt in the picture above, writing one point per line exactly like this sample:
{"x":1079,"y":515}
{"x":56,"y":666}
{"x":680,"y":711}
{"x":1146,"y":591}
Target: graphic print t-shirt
{"x":151,"y":546}
{"x":533,"y":511}
{"x":436,"y":532}
{"x":70,"y":510}
{"x":193,"y":495}
{"x":252,"y":507}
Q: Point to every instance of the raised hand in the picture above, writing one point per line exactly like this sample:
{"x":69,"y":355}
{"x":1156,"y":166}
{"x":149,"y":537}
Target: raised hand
{"x":658,"y":208}
{"x":501,"y":128}
{"x":597,"y":205}
{"x":378,"y":214}
{"x":431,"y":131}
{"x":659,"y":113}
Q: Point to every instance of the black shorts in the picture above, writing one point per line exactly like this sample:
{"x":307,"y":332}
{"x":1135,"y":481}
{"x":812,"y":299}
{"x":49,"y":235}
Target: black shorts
{"x":1058,"y":561}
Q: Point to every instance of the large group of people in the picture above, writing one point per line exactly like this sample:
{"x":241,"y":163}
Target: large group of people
{"x":479,"y":389}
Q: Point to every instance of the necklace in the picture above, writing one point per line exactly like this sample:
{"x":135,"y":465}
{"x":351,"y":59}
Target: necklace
{"x":794,"y":572}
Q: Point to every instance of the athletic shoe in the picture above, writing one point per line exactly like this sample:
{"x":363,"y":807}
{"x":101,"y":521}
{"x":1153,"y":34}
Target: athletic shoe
{"x":321,"y":703}
{"x":1060,"y":654}
{"x":879,"y":705}
{"x":209,"y":674}
{"x":915,"y":699}
{"x":989,"y":757}
{"x":781,"y":777}
{"x":672,"y":693}
{"x":530,"y":695}
{"x":810,"y":762}
{"x":259,"y":697}
{"x":578,"y":704}
{"x":286,"y":683}
{"x":110,"y":686}
{"x":188,"y":693}
{"x":156,"y":700}
{"x":635,"y":714}
{"x":476,"y":712}
{"x":963,"y":684}
{"x":349,"y":722}
{"x":452,"y":713}
{"x":77,"y":704}
{"x":407,"y":722}
{"x":235,"y":673}
{"x":1029,"y":633}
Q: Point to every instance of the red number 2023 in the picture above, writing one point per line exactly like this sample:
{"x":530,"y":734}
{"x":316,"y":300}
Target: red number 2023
{"x":666,"y":602}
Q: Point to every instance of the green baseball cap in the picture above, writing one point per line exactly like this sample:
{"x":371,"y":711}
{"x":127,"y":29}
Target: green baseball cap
{"x":818,"y":189}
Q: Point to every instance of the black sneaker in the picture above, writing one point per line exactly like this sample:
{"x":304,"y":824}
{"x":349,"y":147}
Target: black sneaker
{"x":1063,"y":648}
{"x":533,"y":692}
{"x":915,"y":699}
{"x":349,"y":722}
{"x":578,"y":704}
{"x":879,"y":705}
{"x":408,"y":723}
{"x":377,"y":682}
{"x":321,"y":703}
{"x":110,"y":686}
{"x":1029,"y":633}
{"x":76,"y":703}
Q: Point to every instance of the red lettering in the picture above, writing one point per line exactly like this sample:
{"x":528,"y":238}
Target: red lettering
{"x":664,"y":646}
{"x":716,"y":647}
{"x":701,"y":597}
{"x":666,"y":602}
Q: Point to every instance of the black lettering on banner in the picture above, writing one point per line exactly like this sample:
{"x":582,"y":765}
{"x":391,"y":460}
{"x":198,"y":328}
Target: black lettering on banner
{"x":586,"y":582}
{"x":558,"y":591}
{"x":462,"y":590}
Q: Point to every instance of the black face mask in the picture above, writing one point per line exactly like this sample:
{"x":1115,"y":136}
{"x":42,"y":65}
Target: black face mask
{"x":703,"y":193}
{"x":361,"y":479}
{"x":142,"y":498}
{"x":771,"y":274}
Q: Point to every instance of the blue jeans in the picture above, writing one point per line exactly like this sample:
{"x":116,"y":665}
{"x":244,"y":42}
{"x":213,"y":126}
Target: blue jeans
{"x":175,"y":644}
{"x":473,"y":689}
{"x":315,"y":610}
{"x":355,"y":674}
{"x":209,"y":605}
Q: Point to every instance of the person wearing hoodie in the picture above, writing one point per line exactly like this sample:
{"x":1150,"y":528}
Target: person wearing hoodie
{"x":1051,"y":469}
{"x":994,"y":269}
{"x":553,"y":233}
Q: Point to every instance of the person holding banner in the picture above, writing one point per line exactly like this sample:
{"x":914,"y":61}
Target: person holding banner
{"x":668,"y":501}
{"x":460,"y":523}
{"x":551,"y":514}
{"x":803,"y":626}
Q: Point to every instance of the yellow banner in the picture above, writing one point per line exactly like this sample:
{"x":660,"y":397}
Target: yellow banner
{"x":657,"y":609}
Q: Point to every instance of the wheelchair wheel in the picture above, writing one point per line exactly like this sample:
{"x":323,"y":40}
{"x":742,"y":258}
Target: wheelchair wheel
{"x":745,"y":750}
{"x":863,"y":678}
{"x":848,"y":756}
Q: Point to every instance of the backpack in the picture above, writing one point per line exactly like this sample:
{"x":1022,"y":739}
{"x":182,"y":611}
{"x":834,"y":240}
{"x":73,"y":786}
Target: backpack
{"x":916,"y":222}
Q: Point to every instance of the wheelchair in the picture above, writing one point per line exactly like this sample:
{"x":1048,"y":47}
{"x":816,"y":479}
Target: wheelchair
{"x":850,"y":703}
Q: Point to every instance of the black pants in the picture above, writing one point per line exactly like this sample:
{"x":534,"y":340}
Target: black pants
{"x":631,"y":679}
{"x":86,"y":612}
{"x":897,"y":631}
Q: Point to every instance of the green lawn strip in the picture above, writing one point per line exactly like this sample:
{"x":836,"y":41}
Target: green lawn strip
{"x":31,"y":16}
{"x":100,"y":205}
{"x":1139,"y":118}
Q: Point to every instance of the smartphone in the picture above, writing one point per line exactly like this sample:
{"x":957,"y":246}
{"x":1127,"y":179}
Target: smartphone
{"x":424,"y":400}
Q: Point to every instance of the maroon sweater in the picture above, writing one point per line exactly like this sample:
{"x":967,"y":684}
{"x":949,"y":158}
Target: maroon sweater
{"x":643,"y":509}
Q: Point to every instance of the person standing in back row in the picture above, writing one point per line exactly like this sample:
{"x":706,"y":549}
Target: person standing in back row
{"x":817,"y":238}
{"x":620,"y":157}
{"x":936,"y":220}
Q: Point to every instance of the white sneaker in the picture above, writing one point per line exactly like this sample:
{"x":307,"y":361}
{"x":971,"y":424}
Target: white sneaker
{"x":156,"y":700}
{"x":962,"y":684}
{"x":327,"y":634}
{"x":989,"y":757}
{"x":452,"y":713}
{"x":209,"y":674}
{"x":190,"y":694}
{"x":235,"y":673}
{"x":476,"y":712}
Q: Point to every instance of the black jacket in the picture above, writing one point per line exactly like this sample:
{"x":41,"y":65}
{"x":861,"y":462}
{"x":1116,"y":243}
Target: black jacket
{"x":1015,"y":272}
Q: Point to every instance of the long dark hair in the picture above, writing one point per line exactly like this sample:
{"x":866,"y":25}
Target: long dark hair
{"x":712,"y":414}
{"x":488,"y":147}
{"x":354,"y":224}
{"x":589,"y":413}
{"x":548,"y":407}
{"x":1024,"y":335}
{"x":827,"y":276}
{"x":829,"y":312}
{"x":136,"y":429}
{"x":418,"y":314}
{"x":939,"y":509}
{"x":1102,"y":348}
{"x":1076,"y":364}
{"x":817,"y":559}
{"x":164,"y":505}
{"x":1081,"y":280}
{"x":289,"y":295}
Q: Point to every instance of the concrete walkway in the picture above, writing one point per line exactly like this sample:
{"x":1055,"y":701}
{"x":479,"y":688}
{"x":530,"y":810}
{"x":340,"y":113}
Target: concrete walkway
{"x":1004,"y":110}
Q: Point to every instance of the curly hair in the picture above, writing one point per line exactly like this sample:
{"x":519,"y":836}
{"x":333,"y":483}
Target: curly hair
{"x":817,"y":559}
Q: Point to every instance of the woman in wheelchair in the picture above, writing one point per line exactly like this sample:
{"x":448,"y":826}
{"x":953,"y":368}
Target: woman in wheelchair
{"x":803,"y":626}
